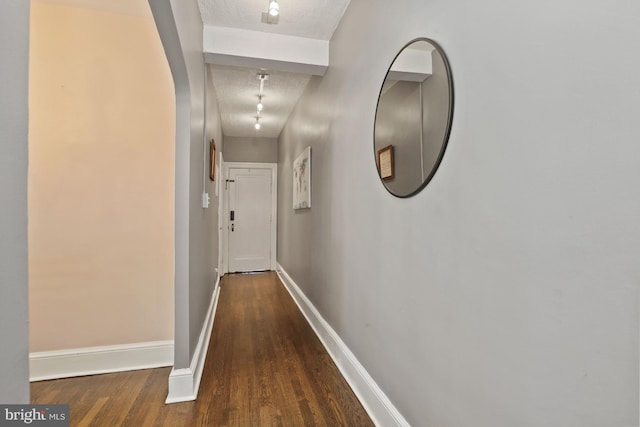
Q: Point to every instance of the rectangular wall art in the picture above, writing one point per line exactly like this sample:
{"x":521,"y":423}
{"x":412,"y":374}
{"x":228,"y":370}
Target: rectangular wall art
{"x":302,"y":180}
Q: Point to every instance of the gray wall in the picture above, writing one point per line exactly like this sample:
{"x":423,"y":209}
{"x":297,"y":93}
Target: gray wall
{"x":506,"y":293}
{"x":261,"y":150}
{"x":180,"y":28}
{"x":14,"y":79}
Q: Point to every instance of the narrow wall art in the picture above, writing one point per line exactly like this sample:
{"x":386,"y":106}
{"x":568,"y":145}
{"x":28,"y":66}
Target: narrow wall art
{"x":302,"y":180}
{"x":212,"y":160}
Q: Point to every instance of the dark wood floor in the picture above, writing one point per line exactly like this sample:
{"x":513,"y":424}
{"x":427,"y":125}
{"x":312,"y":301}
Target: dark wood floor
{"x":265,"y":367}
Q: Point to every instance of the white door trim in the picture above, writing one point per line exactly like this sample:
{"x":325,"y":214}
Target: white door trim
{"x":273,"y":167}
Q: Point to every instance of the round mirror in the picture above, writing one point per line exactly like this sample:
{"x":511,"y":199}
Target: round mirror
{"x":413,"y":117}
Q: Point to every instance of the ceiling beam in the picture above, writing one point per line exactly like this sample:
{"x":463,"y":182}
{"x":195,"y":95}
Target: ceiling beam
{"x":256,"y":49}
{"x":412,"y":65}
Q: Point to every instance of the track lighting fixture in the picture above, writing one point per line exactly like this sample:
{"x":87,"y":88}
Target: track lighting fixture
{"x":263,"y":77}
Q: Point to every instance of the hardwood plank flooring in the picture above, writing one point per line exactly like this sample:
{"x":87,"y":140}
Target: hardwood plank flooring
{"x":265,"y":367}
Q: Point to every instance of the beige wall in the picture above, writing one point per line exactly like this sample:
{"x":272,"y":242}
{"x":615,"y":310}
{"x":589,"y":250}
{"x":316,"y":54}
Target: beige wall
{"x":101,"y":180}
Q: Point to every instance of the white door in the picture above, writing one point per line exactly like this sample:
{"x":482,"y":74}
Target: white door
{"x":251,"y":218}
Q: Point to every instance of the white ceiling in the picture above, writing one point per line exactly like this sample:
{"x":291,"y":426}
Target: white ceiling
{"x":315,"y":19}
{"x":237,"y":88}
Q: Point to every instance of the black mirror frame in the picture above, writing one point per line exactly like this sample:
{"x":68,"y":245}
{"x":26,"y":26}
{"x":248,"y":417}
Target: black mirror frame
{"x":447,"y":133}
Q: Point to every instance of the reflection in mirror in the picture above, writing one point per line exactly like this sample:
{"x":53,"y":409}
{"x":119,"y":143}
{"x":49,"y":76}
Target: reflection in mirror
{"x":414,"y":113}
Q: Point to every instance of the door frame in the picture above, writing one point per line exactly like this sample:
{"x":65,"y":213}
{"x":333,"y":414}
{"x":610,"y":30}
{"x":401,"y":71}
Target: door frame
{"x":224,"y":196}
{"x":220,"y":193}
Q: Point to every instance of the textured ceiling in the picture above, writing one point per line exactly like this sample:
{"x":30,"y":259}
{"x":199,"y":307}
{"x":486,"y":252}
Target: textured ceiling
{"x":316,"y":19}
{"x":237,"y":90}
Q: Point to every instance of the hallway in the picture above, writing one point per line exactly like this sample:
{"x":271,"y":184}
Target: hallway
{"x":265,"y":367}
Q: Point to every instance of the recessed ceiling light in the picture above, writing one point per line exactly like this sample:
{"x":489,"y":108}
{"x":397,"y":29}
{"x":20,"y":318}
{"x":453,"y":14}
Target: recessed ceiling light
{"x":274,"y":8}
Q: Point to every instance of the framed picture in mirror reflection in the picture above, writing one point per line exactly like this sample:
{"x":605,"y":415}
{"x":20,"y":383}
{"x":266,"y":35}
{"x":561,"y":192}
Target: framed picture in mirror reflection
{"x":385,"y":162}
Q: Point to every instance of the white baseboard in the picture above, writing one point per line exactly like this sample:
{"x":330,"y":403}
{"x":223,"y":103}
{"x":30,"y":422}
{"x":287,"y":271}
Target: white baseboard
{"x":373,"y":399}
{"x":185,"y":383}
{"x":76,"y":362}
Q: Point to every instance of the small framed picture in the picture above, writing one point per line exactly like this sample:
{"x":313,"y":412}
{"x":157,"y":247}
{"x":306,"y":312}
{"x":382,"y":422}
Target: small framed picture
{"x":212,"y":160}
{"x":385,"y":162}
